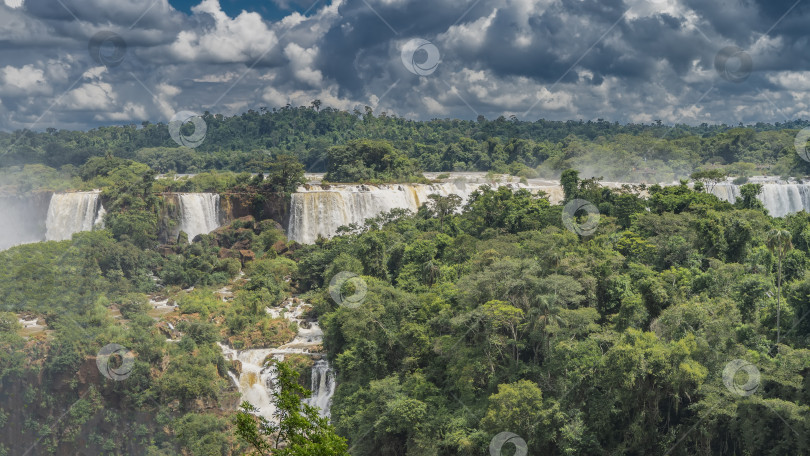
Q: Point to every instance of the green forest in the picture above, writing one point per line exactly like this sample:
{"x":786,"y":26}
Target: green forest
{"x":678,"y":325}
{"x":318,"y":138}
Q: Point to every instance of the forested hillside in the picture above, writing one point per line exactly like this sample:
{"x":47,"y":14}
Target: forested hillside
{"x":639,"y":320}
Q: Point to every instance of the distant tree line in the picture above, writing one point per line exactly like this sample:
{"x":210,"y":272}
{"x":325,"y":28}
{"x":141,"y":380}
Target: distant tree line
{"x":317,"y":137}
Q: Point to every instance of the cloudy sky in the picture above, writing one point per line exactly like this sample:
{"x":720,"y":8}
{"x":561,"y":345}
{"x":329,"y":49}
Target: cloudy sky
{"x":83,"y":63}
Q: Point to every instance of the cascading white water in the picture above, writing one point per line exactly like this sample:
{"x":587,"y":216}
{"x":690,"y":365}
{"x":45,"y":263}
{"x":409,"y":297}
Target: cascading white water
{"x":323,"y":387}
{"x":320,"y":211}
{"x":783,"y":199}
{"x":199,"y":213}
{"x":780,"y":198}
{"x":257,"y":382}
{"x":71,"y":213}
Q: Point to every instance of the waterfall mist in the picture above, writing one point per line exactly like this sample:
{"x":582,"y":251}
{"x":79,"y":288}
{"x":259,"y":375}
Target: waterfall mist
{"x":22,"y":219}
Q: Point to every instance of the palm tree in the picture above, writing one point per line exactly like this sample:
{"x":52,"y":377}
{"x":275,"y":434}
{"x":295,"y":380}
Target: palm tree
{"x":779,"y":241}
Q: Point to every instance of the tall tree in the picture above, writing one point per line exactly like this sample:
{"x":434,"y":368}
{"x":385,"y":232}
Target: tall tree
{"x":748,"y":197}
{"x":709,"y":178}
{"x":443,"y":206}
{"x":779,"y":243}
{"x":569,"y":181}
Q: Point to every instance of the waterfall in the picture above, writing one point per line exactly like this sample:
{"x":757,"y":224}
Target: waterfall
{"x":780,"y":198}
{"x":783,"y":199}
{"x":320,"y":210}
{"x":256,"y":381}
{"x":322,"y":387}
{"x":71,"y":213}
{"x":726,"y":191}
{"x":199,"y":213}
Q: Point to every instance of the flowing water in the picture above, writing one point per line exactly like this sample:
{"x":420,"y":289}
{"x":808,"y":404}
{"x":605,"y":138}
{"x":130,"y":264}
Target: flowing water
{"x":318,"y":210}
{"x":200,"y":213}
{"x":256,"y":382}
{"x":322,"y":387}
{"x":71,"y":213}
{"x":779,"y":197}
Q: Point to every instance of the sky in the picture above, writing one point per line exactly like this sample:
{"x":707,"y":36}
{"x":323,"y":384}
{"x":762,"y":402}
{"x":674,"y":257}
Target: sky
{"x":79,"y":64}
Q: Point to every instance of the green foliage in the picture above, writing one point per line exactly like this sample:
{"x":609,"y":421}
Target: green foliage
{"x":519,"y":408}
{"x":478,"y":319}
{"x":252,"y":141}
{"x":36,"y":177}
{"x":368,"y":160}
{"x":709,"y":178}
{"x":511,"y":324}
{"x":203,"y":434}
{"x":300,"y":431}
{"x":748,"y":194}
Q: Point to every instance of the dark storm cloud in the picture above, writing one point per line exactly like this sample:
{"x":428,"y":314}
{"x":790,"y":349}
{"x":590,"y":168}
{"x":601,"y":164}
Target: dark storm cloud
{"x":626,"y":60}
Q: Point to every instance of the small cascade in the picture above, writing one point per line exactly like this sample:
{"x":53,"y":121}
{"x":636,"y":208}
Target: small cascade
{"x":323,"y":387}
{"x":199,"y":213}
{"x":256,"y":382}
{"x":98,"y":224}
{"x":70,"y":213}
